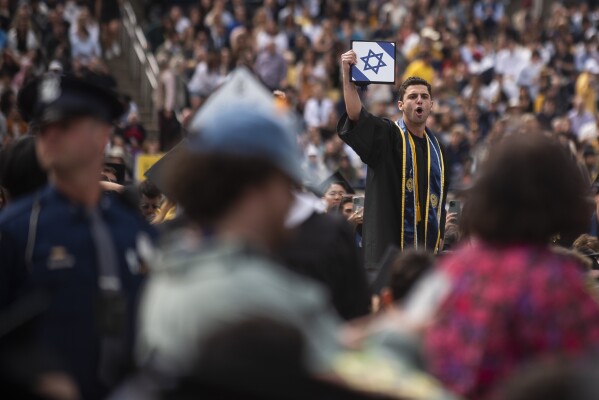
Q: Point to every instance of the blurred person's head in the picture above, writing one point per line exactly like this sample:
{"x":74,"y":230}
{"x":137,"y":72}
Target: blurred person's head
{"x":150,"y":146}
{"x":259,"y":357}
{"x":530,"y":189}
{"x":20,"y":172}
{"x":176,"y":13}
{"x":72,"y":120}
{"x":150,"y":199}
{"x":346,"y":206}
{"x":589,"y":156}
{"x":271,"y":47}
{"x":344,"y":162}
{"x":236,"y":176}
{"x":116,"y":155}
{"x":548,"y":107}
{"x":318,"y":91}
{"x":578,"y":104}
{"x":451,"y":237}
{"x":560,"y":379}
{"x":587,"y":244}
{"x":133,"y":118}
{"x":458,"y":134}
{"x":407,"y":269}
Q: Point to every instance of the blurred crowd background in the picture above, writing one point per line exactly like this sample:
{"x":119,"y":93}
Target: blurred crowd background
{"x":493,"y":64}
{"x":496,"y":68}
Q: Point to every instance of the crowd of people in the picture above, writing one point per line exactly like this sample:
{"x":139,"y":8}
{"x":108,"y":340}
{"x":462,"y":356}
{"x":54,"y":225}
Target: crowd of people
{"x":248,"y":263}
{"x":72,"y":37}
{"x":491,"y":64}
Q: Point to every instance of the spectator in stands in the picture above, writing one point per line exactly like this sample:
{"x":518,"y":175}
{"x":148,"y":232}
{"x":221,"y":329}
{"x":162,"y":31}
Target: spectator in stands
{"x":164,"y":102}
{"x":313,"y":167}
{"x":585,"y":84}
{"x":334,"y":188}
{"x":150,"y":200}
{"x":134,"y":132}
{"x":180,"y":21}
{"x":109,"y":14}
{"x":318,"y":110}
{"x":271,"y":67}
{"x":22,"y":39}
{"x":85,"y":46}
{"x":579,"y":116}
{"x":271,"y":34}
{"x":97,"y":71}
{"x":206,"y":77}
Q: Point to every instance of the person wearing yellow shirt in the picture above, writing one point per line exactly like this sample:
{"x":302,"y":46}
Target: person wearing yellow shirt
{"x":421,"y":67}
{"x":585,"y":85}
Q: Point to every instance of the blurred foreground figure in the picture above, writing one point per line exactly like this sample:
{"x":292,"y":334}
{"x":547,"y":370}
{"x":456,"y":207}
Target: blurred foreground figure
{"x":321,"y":246}
{"x":552,"y":381}
{"x":508,"y":297}
{"x":235,"y":181}
{"x":258,"y":359}
{"x":73,"y":241}
{"x":20,"y":172}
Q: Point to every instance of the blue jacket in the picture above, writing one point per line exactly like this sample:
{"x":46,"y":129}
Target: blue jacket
{"x":54,"y":251}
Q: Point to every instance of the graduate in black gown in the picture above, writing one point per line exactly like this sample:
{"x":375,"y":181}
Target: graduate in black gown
{"x":406,"y":184}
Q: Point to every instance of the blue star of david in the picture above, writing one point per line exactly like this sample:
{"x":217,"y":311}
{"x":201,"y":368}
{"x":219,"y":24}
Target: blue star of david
{"x":367,"y":58}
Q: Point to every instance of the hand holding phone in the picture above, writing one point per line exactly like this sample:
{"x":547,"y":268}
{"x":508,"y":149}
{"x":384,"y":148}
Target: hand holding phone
{"x":454,"y":208}
{"x":358,"y":203}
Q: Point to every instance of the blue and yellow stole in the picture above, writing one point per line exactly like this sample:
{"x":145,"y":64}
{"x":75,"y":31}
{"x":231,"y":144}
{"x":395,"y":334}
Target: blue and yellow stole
{"x":410,"y":209}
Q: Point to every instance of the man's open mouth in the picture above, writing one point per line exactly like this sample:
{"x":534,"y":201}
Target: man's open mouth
{"x":419,"y":111}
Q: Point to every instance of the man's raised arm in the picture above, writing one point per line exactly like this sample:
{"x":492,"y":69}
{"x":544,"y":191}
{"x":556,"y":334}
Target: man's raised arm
{"x":353,"y":104}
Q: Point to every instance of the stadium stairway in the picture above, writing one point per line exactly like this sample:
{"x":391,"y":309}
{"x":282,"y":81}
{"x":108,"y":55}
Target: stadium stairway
{"x":129,"y":84}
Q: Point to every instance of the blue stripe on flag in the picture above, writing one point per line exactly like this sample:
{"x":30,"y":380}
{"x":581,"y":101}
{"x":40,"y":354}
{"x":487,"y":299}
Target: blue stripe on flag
{"x":357,"y":75}
{"x":388,"y":47}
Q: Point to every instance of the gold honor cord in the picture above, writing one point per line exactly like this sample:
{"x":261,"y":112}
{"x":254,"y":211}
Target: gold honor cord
{"x":428,"y":189}
{"x":439,"y":209}
{"x":417,"y":214}
{"x":403,"y":183}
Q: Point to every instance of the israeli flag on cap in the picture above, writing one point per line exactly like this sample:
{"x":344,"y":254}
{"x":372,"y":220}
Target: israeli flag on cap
{"x":376,"y":62}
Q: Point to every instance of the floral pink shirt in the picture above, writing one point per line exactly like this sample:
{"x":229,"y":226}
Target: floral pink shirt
{"x":505,"y":308}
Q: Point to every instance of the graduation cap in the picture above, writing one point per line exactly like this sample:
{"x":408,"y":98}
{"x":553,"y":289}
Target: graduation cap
{"x":241,"y":117}
{"x":53,"y":97}
{"x":242,"y":87}
{"x":155,"y":173}
{"x":336,"y":178}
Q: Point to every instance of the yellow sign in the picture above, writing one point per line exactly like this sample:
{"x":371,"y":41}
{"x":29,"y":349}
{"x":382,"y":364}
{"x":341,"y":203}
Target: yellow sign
{"x":143,"y":163}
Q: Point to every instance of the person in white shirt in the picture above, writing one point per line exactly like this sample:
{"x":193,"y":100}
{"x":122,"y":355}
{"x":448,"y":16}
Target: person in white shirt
{"x":318,"y":108}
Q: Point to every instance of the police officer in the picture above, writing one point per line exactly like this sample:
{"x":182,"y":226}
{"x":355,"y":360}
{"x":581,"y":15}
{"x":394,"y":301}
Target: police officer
{"x":71,"y":239}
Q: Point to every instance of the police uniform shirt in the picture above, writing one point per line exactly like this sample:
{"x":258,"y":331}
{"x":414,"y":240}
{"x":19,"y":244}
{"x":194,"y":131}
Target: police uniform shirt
{"x":51,"y":247}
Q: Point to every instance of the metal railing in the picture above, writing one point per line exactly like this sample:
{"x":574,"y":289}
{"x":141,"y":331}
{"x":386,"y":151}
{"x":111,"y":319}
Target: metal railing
{"x":142,"y":64}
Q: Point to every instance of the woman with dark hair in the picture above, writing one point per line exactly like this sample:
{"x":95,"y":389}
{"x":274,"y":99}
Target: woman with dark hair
{"x":507,"y":297}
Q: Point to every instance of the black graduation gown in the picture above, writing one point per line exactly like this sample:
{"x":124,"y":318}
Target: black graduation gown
{"x":323,"y":248}
{"x":378,"y":143}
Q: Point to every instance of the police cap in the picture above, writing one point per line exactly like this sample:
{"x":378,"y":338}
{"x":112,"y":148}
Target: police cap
{"x":53,"y":97}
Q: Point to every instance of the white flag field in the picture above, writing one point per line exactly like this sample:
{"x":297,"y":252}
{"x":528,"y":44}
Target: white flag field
{"x":376,"y":62}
